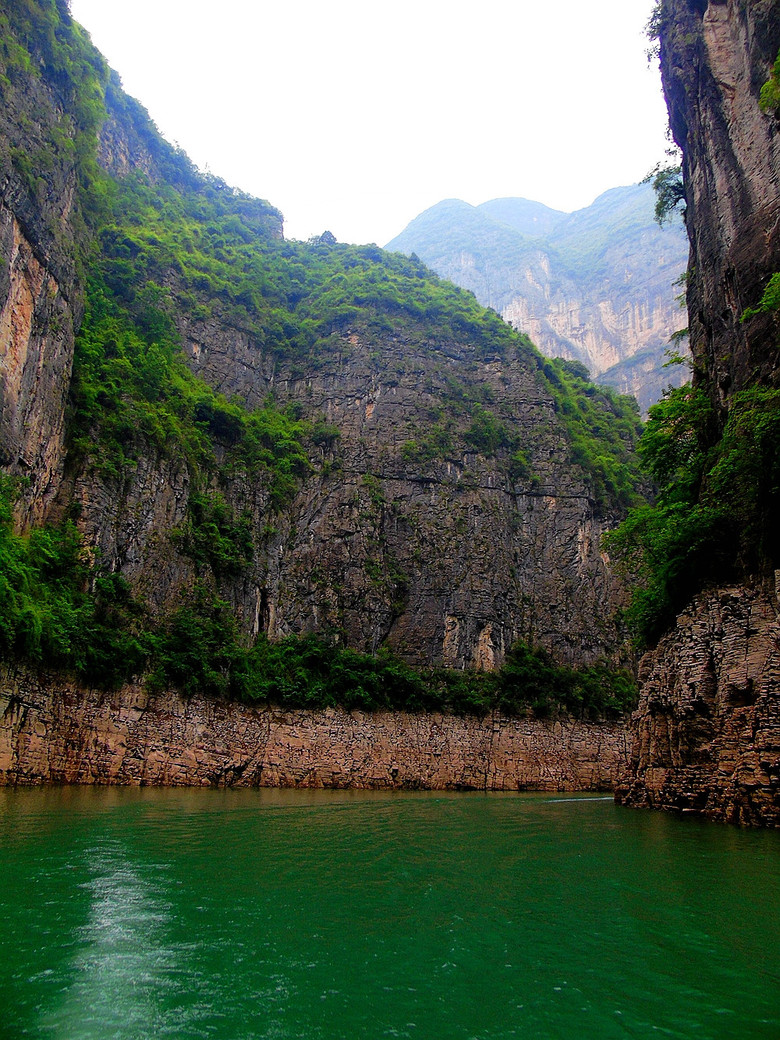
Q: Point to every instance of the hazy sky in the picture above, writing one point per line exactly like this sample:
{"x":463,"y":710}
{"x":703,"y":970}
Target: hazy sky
{"x":355,"y":115}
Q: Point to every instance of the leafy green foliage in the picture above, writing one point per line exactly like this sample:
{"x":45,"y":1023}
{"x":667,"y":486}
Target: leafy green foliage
{"x":58,"y":609}
{"x":211,"y":246}
{"x":308,"y":672}
{"x":770,"y":299}
{"x":529,"y":677}
{"x":132,"y":388}
{"x":197,"y":649}
{"x":602,"y":427}
{"x":212,"y":536}
{"x":669,"y":191}
{"x":40,"y":41}
{"x":61,"y":611}
{"x":770,"y":92}
{"x":717,"y":514}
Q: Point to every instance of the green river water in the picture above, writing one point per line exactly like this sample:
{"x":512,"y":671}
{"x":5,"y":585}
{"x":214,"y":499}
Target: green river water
{"x":320,"y":916}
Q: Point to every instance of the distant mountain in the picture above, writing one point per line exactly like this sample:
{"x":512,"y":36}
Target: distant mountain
{"x":596,"y":286}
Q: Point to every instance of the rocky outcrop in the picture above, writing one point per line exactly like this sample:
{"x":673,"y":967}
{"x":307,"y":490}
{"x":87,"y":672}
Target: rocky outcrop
{"x":36,"y":354}
{"x":706,"y":735}
{"x":40,"y":301}
{"x":53,"y":731}
{"x":714,"y":59}
{"x":445,"y":560}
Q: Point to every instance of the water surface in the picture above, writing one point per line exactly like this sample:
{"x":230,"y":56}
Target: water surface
{"x":321,"y":916}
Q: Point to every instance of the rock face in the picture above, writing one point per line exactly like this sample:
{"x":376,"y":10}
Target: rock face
{"x":706,"y":735}
{"x":36,"y":353}
{"x":594,"y":286}
{"x":445,"y":555}
{"x":51,"y":731}
{"x":714,"y":59}
{"x":444,"y":560}
{"x":39,"y":288}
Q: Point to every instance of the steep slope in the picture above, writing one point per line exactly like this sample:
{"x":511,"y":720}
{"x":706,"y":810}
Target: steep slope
{"x":596,"y":286}
{"x":706,"y":735}
{"x":266,"y":439}
{"x":714,"y":60}
{"x":46,"y":124}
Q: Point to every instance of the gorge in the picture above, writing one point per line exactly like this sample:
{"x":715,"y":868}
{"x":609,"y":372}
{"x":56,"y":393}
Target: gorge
{"x":223,"y":444}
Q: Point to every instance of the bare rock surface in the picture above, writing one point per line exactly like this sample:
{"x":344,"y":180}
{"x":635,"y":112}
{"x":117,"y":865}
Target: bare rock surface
{"x":706,"y":735}
{"x":55,"y":731}
{"x":714,"y":59}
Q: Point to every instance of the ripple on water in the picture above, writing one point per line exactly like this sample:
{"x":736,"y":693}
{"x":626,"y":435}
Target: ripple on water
{"x":320,"y":916}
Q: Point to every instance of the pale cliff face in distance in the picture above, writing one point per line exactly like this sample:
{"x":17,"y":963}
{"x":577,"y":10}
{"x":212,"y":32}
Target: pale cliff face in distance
{"x":353,"y":117}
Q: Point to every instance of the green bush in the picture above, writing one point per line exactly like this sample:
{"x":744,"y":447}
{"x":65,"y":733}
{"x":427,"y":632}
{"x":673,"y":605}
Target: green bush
{"x":603,"y":429}
{"x":717,"y":513}
{"x":59,"y":610}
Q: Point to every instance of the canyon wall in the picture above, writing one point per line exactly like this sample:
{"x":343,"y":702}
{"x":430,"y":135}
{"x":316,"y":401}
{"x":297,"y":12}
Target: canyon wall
{"x":52,"y":731}
{"x":446,"y":552}
{"x":444,"y":560}
{"x":706,"y":735}
{"x":715,"y":57}
{"x":40,"y":300}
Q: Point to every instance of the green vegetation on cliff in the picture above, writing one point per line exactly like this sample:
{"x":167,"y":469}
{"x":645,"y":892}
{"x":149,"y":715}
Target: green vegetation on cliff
{"x":168,"y":255}
{"x":62,"y":611}
{"x":58,"y":609}
{"x":163,"y":249}
{"x":717,"y":514}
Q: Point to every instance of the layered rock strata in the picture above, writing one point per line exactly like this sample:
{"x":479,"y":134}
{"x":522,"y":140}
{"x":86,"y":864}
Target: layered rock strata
{"x":706,"y":735}
{"x":53,"y":731}
{"x":40,"y":293}
{"x":436,"y":549}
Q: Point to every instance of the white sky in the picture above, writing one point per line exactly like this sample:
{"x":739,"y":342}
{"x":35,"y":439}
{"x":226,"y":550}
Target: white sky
{"x":355,"y":115}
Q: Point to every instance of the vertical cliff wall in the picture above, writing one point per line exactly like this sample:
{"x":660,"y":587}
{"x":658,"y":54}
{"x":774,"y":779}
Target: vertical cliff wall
{"x":40,"y":229}
{"x":706,"y":735}
{"x":445,"y":508}
{"x":54,"y":731}
{"x":715,"y":57}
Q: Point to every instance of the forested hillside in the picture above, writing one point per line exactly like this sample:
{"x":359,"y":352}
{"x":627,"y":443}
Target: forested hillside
{"x":303,"y":472}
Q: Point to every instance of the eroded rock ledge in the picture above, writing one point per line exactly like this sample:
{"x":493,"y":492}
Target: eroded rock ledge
{"x":706,"y":735}
{"x":54,"y":731}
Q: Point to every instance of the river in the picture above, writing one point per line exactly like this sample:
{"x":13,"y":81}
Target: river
{"x":308,"y":915}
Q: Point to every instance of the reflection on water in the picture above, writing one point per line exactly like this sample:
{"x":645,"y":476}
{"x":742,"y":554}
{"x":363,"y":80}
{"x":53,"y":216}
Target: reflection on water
{"x":350,"y":916}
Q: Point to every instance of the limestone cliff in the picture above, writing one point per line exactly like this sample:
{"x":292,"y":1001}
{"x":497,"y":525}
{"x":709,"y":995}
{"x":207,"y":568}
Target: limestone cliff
{"x":595,"y":286}
{"x":411,"y":525}
{"x":706,"y":736}
{"x":715,"y":56}
{"x":446,"y":560}
{"x":40,"y":234}
{"x":53,"y":731}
